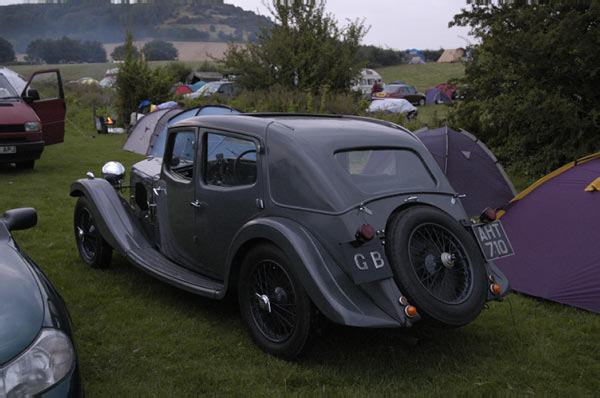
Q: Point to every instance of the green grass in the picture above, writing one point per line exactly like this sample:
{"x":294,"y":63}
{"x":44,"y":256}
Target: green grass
{"x":137,"y":336}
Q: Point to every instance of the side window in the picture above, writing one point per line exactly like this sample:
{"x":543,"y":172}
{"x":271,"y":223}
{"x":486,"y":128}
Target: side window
{"x":411,"y":90}
{"x":230,"y":161}
{"x":181,"y":160}
{"x":44,"y":86}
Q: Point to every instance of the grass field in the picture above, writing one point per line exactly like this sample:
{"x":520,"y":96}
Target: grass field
{"x":137,"y":336}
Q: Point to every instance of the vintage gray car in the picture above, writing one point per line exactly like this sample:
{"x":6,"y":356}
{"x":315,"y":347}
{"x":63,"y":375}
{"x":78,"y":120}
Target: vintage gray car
{"x":344,"y":216}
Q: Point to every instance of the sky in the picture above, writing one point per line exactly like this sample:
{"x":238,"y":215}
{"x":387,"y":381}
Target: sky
{"x":396,"y":24}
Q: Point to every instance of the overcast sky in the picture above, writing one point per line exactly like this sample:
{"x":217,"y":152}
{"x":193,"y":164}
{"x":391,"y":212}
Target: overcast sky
{"x":397,"y":24}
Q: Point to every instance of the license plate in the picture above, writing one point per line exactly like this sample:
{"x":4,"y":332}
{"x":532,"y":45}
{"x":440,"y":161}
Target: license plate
{"x":380,"y":95}
{"x":367,"y":262}
{"x":493,"y":240}
{"x":8,"y":149}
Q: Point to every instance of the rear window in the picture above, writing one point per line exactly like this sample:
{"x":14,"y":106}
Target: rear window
{"x":391,"y":89}
{"x":379,"y":170}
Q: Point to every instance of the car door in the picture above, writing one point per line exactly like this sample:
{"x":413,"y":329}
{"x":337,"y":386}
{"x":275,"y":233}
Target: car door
{"x":229,"y":193}
{"x":174,"y":194}
{"x":45,"y":95}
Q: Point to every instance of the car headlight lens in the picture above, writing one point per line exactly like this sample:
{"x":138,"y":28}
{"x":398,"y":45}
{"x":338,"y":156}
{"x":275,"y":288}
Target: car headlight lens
{"x":43,"y":364}
{"x":33,"y":126}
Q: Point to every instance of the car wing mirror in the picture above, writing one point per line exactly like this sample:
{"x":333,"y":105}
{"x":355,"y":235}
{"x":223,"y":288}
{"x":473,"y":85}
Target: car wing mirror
{"x":31,"y":95}
{"x":19,"y":219}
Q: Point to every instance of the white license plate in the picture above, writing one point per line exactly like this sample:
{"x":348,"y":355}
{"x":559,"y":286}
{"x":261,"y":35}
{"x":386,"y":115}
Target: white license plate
{"x":8,"y":149}
{"x":493,"y":240}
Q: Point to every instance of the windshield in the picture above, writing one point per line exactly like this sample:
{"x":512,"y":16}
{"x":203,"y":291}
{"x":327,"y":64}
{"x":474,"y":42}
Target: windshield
{"x":391,"y":88}
{"x":211,"y":87}
{"x":6,"y":90}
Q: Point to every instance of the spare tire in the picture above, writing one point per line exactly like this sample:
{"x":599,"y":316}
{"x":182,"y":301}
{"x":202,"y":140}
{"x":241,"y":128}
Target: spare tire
{"x":437,"y":265}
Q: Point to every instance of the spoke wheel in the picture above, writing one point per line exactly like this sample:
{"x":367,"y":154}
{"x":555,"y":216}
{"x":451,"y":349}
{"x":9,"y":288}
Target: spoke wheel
{"x":440,"y":263}
{"x":437,"y":265}
{"x":93,"y":249}
{"x":273,"y":303}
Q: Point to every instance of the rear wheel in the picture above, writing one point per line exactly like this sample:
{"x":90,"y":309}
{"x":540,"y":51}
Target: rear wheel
{"x":422,"y":102}
{"x":93,"y":249}
{"x":437,"y":264}
{"x":273,"y":303}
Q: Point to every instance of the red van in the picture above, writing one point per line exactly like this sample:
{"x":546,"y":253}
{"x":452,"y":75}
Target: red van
{"x":32,"y":119}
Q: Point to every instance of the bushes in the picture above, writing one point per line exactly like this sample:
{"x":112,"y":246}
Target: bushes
{"x":531,"y":91}
{"x":158,"y":50}
{"x":65,"y":50}
{"x":7,"y":54}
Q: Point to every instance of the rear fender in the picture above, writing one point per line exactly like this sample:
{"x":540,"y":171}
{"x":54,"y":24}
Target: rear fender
{"x":111,"y":214}
{"x":330,"y":289}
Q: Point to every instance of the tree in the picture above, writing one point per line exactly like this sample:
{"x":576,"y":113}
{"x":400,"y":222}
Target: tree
{"x":137,"y":82}
{"x":158,"y":50}
{"x":64,"y":50}
{"x":531,"y":90}
{"x":305,"y":49}
{"x":7,"y":54}
{"x":118,"y":53}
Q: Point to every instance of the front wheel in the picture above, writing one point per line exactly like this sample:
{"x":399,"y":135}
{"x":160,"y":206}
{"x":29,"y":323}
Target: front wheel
{"x":437,"y":265}
{"x":273,"y":304}
{"x":422,"y":102}
{"x":93,"y":249}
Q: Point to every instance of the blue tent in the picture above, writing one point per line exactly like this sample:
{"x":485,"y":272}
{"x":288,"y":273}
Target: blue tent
{"x":436,"y":96}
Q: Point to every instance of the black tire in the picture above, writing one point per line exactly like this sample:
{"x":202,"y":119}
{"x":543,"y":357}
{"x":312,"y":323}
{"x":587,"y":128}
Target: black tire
{"x":273,"y":303}
{"x":446,"y":291}
{"x":25,"y":165}
{"x":422,"y":102}
{"x":93,"y":249}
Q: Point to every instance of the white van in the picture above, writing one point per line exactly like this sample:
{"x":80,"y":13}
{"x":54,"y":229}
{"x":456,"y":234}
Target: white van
{"x":365,"y":81}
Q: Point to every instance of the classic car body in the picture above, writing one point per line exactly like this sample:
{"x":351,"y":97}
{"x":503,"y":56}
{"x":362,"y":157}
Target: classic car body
{"x":31,"y":120}
{"x":37,"y":356}
{"x":293,"y":211}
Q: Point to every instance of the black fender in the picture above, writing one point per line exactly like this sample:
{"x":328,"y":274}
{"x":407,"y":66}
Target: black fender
{"x":330,"y":288}
{"x":110,"y":212}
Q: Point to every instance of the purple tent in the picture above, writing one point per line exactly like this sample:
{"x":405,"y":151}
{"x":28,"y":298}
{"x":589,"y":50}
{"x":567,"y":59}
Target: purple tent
{"x":471,"y":168}
{"x":436,"y":96}
{"x":554,"y":227}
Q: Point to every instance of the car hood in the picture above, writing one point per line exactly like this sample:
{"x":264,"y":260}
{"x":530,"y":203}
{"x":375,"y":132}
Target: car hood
{"x":16,"y":112}
{"x":21,"y":305}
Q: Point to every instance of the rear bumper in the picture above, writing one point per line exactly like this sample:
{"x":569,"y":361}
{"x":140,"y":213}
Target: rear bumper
{"x":25,"y":151}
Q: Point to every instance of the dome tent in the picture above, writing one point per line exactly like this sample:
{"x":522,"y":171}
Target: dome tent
{"x":553,"y":227}
{"x":471,"y":168}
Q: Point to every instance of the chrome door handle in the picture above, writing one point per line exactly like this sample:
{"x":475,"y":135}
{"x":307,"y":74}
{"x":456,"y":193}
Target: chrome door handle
{"x":158,"y":190}
{"x":197,"y":204}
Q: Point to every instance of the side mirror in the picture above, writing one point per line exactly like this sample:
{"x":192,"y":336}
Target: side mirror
{"x":31,"y":95}
{"x":19,"y":219}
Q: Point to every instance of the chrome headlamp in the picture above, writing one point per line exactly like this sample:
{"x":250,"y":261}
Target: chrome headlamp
{"x":113,"y":172}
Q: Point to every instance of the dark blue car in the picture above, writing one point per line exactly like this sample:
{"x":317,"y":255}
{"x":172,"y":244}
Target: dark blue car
{"x":37,"y":355}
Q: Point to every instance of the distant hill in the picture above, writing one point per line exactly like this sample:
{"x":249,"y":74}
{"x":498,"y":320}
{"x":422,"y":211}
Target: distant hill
{"x":175,"y":20}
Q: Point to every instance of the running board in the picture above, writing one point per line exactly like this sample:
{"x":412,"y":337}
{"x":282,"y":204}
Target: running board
{"x":157,"y":265}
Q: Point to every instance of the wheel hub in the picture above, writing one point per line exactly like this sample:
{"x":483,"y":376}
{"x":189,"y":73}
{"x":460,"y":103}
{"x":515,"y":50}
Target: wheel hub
{"x":80,"y":232}
{"x":263,"y":302}
{"x":448,"y":259}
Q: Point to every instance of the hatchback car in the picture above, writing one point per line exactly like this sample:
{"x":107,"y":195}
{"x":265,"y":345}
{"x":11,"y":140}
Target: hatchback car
{"x":298,"y":214}
{"x":403,"y":91}
{"x":37,"y":356}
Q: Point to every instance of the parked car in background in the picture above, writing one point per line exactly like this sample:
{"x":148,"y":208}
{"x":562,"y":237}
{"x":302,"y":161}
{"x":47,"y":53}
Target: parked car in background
{"x":214,"y":88}
{"x":403,"y":91}
{"x":37,"y":355}
{"x":31,"y":119}
{"x":344,"y":216}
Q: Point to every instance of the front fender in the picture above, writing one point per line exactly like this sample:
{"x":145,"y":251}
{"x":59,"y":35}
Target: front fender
{"x":110,"y":213}
{"x":331,"y":290}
